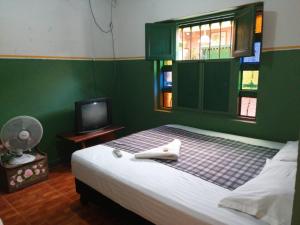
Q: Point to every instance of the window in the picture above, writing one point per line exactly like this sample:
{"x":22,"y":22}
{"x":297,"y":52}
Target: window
{"x":248,"y":107}
{"x":204,"y":51}
{"x":249,"y":75}
{"x":204,"y":41}
{"x":165,"y":84}
{"x":253,"y":59}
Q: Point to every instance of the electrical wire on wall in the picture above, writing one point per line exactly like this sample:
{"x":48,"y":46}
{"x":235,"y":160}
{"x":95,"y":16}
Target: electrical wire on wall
{"x":111,"y":26}
{"x":106,"y":31}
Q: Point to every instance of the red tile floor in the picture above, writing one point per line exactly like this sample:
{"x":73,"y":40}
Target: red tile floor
{"x":55,"y":202}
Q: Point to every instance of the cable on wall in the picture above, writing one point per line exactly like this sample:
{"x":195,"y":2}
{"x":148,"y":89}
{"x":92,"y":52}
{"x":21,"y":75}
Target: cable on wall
{"x":97,"y":24}
{"x":110,"y":29}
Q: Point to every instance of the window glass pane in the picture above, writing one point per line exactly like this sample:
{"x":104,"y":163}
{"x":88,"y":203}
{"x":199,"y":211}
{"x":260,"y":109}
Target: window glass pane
{"x":250,"y":80}
{"x":167,"y":99}
{"x":208,"y":41}
{"x":186,"y":43}
{"x":258,"y":23}
{"x":256,"y":57}
{"x":226,"y":39}
{"x":215,"y":38}
{"x":167,"y":79}
{"x":168,"y":62}
{"x":248,"y":107}
{"x":204,"y":41}
{"x":179,"y":44}
{"x":195,"y":51}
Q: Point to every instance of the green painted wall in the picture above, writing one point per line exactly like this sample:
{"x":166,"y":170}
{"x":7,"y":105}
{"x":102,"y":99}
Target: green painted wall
{"x":278,"y":113}
{"x":47,"y":90}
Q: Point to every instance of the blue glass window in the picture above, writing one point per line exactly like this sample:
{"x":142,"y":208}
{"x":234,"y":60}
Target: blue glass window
{"x":256,"y":57}
{"x":167,"y":79}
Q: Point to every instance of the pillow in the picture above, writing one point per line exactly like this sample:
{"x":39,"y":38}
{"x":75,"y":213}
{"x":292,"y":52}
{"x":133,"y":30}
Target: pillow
{"x":289,"y":152}
{"x":269,"y":196}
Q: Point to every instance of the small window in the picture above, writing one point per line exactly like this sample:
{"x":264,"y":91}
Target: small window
{"x":234,"y":33}
{"x":167,"y":99}
{"x":248,"y":107}
{"x":204,"y":41}
{"x":168,"y":62}
{"x":250,"y":80}
{"x":258,"y":22}
{"x":167,"y":79}
{"x":165,"y":84}
{"x":249,"y":84}
{"x":256,"y":57}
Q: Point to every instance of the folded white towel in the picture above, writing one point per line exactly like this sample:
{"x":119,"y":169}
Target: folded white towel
{"x":168,"y":151}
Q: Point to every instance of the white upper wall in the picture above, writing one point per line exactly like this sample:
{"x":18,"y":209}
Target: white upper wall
{"x":54,"y":28}
{"x":281,"y":22}
{"x":66,"y":28}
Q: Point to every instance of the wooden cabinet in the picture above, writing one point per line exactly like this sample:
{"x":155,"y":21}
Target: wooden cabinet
{"x":160,"y":41}
{"x":16,"y":177}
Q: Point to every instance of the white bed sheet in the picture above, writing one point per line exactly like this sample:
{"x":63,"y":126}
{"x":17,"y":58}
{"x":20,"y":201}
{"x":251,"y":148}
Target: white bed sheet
{"x":159,"y":193}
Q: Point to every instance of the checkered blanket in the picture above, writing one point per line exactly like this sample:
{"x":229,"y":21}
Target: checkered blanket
{"x":221,"y":161}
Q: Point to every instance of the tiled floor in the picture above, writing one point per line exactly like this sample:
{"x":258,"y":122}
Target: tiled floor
{"x":55,"y":202}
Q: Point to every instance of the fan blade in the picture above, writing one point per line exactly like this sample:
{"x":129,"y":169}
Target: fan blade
{"x":10,"y":132}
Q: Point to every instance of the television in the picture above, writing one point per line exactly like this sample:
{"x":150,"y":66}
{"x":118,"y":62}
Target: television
{"x":92,"y":114}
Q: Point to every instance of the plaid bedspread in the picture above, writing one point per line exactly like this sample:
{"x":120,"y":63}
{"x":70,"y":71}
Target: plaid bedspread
{"x":221,"y":161}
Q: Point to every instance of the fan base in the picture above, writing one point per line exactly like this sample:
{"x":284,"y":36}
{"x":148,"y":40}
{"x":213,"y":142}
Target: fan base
{"x":25,"y":158}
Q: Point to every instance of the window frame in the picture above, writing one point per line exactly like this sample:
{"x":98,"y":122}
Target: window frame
{"x":250,"y":66}
{"x":219,"y":17}
{"x":159,"y":77}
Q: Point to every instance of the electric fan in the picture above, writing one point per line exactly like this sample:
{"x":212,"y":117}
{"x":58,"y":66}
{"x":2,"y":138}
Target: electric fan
{"x":20,"y":134}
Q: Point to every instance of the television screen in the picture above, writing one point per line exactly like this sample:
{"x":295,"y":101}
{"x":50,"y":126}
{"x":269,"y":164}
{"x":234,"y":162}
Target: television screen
{"x":92,"y":114}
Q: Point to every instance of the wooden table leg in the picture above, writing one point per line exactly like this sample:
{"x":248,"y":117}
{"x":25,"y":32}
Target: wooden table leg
{"x":107,"y":137}
{"x":83,"y":145}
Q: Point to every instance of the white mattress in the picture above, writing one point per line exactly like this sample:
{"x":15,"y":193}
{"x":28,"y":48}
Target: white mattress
{"x":159,"y":193}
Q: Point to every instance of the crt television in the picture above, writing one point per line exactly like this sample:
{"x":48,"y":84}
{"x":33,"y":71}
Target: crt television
{"x":92,"y":114}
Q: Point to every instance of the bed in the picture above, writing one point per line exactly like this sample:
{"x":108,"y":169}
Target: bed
{"x":164,"y":193}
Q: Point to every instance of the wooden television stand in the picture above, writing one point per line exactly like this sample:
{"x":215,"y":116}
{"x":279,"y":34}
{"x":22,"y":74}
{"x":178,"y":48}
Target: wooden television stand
{"x":105,"y":134}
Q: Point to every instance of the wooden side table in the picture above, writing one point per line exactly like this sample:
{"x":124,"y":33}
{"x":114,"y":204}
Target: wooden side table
{"x":106,"y":134}
{"x":16,"y":177}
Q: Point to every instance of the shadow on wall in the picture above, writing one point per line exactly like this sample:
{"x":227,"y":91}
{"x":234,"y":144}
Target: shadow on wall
{"x":53,"y":124}
{"x":270,"y":18}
